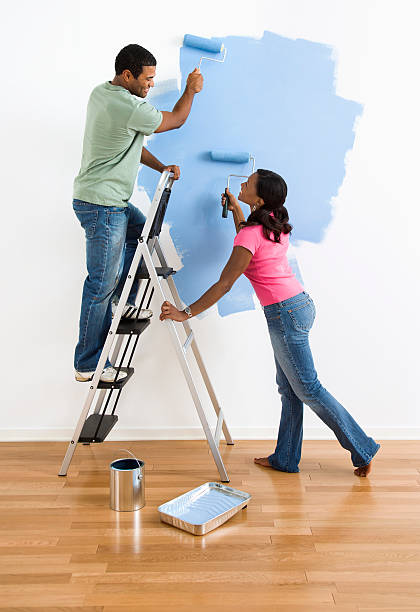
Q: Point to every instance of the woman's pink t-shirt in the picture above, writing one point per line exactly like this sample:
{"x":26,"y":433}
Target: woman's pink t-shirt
{"x":269,"y":270}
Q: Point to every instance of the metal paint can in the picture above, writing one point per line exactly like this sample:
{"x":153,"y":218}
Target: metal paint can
{"x":127,"y":485}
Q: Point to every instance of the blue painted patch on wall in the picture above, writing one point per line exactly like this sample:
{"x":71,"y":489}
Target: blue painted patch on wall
{"x":275,"y":98}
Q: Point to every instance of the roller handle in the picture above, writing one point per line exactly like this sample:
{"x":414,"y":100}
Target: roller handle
{"x":225,"y":206}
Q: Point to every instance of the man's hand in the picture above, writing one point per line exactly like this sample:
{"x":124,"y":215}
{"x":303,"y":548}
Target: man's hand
{"x":195,"y":81}
{"x":175,"y":169}
{"x":170,"y":312}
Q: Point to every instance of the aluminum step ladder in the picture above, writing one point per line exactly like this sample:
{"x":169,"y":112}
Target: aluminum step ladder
{"x":93,"y":428}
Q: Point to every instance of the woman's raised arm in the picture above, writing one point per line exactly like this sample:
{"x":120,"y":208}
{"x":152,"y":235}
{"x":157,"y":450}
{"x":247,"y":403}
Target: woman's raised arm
{"x":237,"y":264}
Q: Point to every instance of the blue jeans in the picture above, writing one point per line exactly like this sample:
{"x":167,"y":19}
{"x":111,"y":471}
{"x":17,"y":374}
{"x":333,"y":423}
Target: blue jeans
{"x":111,"y":233}
{"x":289,"y":323}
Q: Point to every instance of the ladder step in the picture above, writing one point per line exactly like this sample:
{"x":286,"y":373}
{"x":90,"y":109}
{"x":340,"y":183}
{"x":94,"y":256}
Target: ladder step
{"x":91,"y":425}
{"x":142,"y":272}
{"x":132,"y":326}
{"x":120,"y":383}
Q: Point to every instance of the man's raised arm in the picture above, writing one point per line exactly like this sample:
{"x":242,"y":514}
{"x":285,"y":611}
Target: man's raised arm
{"x":173,"y":120}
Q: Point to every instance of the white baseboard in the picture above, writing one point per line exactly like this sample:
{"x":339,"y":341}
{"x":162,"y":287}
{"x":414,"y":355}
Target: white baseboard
{"x":196,"y":433}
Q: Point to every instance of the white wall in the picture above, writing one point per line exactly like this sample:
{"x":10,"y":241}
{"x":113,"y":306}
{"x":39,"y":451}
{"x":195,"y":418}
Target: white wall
{"x":363,"y":276}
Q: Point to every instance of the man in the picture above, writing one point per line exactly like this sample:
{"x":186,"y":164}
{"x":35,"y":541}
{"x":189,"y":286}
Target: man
{"x":117,"y":121}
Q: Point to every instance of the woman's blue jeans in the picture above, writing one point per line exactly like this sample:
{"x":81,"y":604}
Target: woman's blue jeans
{"x":289,"y":323}
{"x":112,"y":234}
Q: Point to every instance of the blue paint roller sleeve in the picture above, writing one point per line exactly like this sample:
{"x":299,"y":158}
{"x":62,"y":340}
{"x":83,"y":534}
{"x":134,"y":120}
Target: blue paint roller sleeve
{"x":214,"y":46}
{"x":230,"y":156}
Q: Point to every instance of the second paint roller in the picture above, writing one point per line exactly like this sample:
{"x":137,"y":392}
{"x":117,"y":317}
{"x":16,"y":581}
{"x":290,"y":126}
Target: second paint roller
{"x":235,"y":157}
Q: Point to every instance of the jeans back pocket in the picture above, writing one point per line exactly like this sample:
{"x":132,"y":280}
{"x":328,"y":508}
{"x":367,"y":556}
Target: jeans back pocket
{"x":88,"y":220}
{"x":302,"y":315}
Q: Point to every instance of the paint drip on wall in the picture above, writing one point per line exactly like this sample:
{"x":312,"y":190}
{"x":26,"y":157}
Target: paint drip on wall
{"x":274,"y":97}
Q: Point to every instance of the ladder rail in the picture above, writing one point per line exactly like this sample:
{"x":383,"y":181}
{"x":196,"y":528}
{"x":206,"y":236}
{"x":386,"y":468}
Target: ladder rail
{"x":218,"y":430}
{"x":186,"y":369}
{"x":194,"y":346}
{"x":166,"y":181}
{"x":116,"y":351}
{"x":102,"y":393}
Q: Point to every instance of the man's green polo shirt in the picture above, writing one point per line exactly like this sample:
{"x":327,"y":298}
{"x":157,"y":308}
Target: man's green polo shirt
{"x":116,"y":124}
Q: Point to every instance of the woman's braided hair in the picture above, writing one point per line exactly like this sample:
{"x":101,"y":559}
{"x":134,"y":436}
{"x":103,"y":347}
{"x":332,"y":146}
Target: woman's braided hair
{"x":272,"y":215}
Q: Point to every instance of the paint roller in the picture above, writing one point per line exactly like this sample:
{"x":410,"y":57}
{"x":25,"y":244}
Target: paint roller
{"x":205,"y":44}
{"x":238,"y":157}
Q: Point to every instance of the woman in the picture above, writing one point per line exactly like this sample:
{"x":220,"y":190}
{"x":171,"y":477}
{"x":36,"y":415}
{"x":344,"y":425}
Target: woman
{"x":260,"y":252}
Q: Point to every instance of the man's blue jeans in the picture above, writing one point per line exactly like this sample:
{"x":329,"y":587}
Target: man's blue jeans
{"x":112,"y":234}
{"x":289,"y":323}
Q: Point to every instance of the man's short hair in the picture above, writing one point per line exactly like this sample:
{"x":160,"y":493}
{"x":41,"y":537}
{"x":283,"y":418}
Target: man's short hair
{"x":133,"y":58}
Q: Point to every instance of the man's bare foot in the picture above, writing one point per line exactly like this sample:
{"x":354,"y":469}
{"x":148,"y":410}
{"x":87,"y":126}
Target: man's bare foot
{"x":262,"y":461}
{"x":364,"y":470}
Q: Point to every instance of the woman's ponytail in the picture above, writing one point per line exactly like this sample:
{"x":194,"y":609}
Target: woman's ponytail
{"x":272,"y":215}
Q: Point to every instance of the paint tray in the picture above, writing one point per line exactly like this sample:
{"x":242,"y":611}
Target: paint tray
{"x":204,"y":508}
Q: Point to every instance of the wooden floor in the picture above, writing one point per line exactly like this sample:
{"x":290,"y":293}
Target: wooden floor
{"x":319,"y":540}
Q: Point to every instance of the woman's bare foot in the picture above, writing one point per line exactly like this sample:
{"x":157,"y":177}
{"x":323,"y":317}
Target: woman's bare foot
{"x":262,"y":461}
{"x":364,"y":470}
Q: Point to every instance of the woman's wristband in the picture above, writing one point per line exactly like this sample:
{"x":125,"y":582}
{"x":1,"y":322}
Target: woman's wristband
{"x":188,"y":312}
